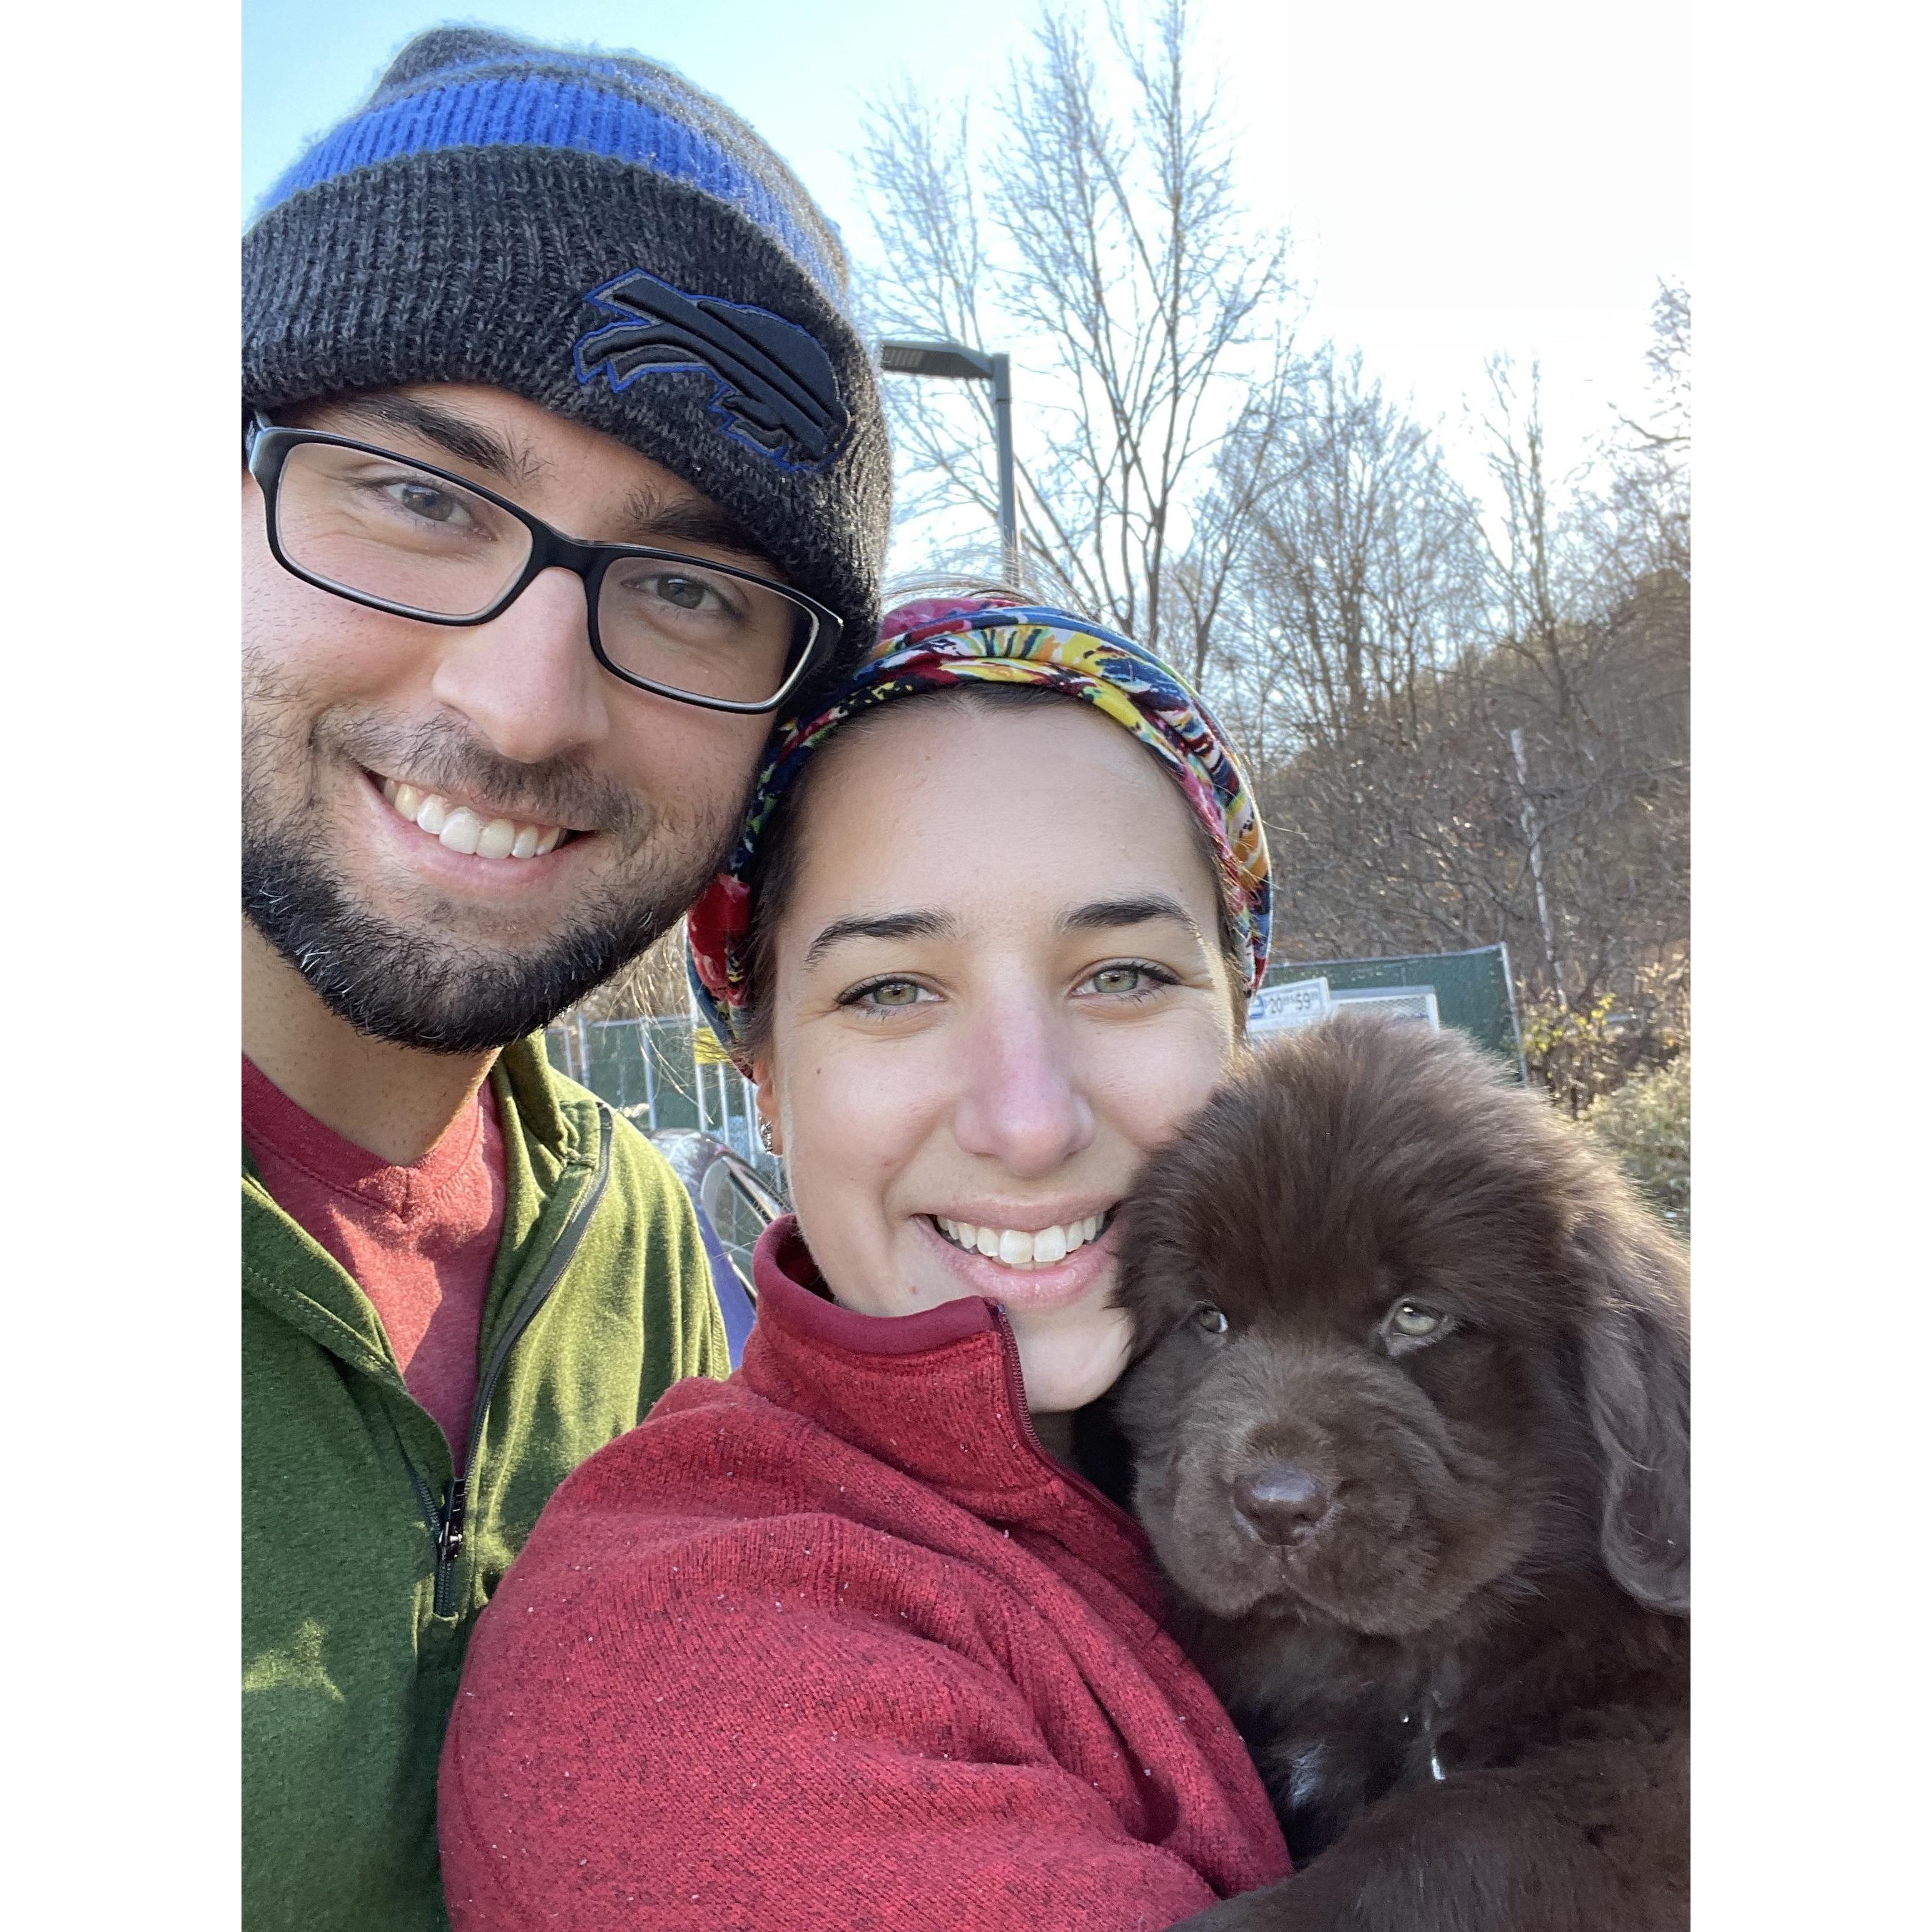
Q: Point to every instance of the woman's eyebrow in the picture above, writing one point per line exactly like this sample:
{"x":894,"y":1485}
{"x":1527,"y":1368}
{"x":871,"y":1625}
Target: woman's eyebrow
{"x":883,"y":925}
{"x":1101,"y":914}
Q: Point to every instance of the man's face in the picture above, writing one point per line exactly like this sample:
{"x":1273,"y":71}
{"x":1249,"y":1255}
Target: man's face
{"x":630,"y":799}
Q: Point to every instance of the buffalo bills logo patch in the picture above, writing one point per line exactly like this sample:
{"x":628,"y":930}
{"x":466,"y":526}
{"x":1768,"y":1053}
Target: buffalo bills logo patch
{"x":773,"y":386}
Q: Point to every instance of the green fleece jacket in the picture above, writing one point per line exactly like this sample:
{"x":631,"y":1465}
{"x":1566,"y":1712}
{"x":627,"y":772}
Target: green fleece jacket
{"x":364,"y":1563}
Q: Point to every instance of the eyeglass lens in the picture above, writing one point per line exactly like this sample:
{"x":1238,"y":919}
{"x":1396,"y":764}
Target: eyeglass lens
{"x":368,"y":523}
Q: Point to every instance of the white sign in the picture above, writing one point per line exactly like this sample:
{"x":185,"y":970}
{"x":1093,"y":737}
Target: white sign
{"x":1282,"y":1009}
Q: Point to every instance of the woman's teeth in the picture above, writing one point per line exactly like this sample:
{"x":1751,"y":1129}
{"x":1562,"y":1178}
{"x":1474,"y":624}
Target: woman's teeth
{"x":460,"y":828}
{"x":1013,"y":1249}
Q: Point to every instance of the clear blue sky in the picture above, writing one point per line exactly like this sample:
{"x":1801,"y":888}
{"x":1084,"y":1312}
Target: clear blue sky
{"x":1495,"y":174}
{"x":795,"y":69}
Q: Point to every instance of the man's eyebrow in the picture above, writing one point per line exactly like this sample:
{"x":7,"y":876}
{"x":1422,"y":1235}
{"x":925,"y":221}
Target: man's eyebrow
{"x":883,"y":925}
{"x":1102,"y":914}
{"x":646,"y":517}
{"x":670,"y":524}
{"x":457,"y":436}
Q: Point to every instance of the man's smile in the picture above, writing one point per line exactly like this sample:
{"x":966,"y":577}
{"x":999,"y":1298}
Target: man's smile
{"x":471,"y":828}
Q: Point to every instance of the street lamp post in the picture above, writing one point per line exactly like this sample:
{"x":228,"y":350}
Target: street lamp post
{"x":954,"y":360}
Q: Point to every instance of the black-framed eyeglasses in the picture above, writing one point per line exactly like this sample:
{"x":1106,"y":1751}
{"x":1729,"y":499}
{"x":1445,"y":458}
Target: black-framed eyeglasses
{"x":402,"y":536}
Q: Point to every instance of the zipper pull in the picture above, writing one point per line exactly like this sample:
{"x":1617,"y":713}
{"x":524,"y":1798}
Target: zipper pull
{"x":449,"y":1536}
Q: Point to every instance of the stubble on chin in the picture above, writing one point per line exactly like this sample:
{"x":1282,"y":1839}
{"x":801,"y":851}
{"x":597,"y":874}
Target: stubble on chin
{"x":415,"y":978}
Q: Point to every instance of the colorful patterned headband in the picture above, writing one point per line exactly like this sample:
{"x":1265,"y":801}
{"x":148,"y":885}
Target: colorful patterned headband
{"x":940,"y":642}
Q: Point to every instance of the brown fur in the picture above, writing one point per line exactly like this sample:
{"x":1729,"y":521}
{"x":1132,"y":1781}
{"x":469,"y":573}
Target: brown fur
{"x":1493,"y":1570}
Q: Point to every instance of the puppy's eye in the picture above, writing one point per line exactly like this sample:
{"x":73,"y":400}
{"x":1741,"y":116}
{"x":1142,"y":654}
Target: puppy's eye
{"x":1211,"y":1318}
{"x":1413,"y":1321}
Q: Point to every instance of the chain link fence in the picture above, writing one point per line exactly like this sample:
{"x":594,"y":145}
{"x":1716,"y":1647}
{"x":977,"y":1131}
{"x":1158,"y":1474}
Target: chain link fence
{"x":645,"y":1070}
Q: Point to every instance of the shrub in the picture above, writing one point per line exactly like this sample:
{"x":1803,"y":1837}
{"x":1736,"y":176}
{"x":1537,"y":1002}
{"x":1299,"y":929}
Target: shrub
{"x":1646,"y":1124}
{"x":1582,"y":1049}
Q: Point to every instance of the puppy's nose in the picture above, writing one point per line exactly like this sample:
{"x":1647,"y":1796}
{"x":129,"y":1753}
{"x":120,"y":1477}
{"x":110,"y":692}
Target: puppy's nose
{"x":1282,"y":1502}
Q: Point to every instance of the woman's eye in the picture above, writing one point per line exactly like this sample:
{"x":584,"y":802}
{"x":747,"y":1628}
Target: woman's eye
{"x":1412,"y":1319}
{"x":1209,"y":1317}
{"x":1131,"y":979}
{"x":886,"y":996}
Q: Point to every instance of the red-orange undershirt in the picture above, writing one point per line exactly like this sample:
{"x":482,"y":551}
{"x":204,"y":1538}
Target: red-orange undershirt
{"x":421,"y":1240}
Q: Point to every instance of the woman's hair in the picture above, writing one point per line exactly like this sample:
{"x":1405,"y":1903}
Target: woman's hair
{"x":773,"y":878}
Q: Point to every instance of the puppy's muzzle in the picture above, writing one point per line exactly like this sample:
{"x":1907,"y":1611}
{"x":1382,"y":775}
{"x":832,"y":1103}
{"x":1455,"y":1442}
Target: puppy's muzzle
{"x":1281,"y":1503}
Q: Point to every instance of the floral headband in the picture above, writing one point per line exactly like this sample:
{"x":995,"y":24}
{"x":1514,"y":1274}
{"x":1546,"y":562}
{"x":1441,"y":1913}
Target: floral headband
{"x":940,"y":642}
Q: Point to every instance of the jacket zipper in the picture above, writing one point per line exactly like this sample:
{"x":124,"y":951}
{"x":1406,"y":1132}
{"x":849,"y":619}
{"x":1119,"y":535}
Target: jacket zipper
{"x":446,"y":1520}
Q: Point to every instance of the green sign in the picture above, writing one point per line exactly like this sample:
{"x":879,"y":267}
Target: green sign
{"x":1474,"y":990}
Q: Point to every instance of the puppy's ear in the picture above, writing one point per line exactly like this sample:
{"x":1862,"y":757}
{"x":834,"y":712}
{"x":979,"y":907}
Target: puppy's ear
{"x":1636,"y":1381}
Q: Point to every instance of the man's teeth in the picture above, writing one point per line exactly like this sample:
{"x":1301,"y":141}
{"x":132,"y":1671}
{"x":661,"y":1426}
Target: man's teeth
{"x":1013,"y":1249}
{"x":462,"y":830}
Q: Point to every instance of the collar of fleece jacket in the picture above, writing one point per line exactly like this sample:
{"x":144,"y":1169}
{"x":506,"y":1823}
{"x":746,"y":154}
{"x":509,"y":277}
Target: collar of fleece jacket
{"x":937,"y":1394}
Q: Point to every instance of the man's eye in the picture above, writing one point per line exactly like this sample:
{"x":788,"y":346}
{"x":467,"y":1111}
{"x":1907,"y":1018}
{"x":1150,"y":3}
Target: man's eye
{"x":432,"y":504}
{"x":686,"y":593}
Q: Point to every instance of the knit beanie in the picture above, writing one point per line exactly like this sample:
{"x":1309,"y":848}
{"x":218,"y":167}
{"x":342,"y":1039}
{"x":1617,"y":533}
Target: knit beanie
{"x":589,"y":232}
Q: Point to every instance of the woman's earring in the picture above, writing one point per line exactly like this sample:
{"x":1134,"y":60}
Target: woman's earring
{"x":765,"y":1135}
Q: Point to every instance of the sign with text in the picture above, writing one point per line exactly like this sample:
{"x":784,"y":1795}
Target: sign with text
{"x":1282,"y":1009}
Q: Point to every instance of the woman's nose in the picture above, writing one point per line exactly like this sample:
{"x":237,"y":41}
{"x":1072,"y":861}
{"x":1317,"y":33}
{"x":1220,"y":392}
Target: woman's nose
{"x":1023,"y":1104}
{"x":526,"y":680}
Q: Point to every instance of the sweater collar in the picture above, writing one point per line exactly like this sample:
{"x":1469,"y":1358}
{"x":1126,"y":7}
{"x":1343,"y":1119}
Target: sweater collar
{"x":937,"y":1394}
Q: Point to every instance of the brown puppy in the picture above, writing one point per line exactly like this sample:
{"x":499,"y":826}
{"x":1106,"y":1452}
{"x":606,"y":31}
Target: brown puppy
{"x":1408,"y":1429}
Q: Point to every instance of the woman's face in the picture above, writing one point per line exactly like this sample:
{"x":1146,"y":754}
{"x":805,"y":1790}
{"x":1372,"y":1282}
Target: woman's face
{"x":997,"y":987}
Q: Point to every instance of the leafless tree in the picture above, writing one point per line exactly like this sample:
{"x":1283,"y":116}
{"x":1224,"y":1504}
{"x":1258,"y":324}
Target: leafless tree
{"x":1088,"y":223}
{"x":1487,"y":717}
{"x":1648,"y":456}
{"x":1359,"y":565}
{"x":1590,"y":576}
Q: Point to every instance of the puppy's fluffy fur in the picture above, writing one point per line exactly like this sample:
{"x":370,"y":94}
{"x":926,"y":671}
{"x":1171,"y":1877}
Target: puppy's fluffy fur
{"x":1408,"y":1429}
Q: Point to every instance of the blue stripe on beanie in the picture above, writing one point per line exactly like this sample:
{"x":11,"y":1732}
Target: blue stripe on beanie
{"x":535,"y":111}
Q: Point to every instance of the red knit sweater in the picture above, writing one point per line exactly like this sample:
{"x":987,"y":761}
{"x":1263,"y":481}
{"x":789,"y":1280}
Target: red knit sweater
{"x":834,"y":1646}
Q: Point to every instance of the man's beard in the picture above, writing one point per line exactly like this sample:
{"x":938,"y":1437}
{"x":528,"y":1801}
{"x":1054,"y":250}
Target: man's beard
{"x":415,"y":985}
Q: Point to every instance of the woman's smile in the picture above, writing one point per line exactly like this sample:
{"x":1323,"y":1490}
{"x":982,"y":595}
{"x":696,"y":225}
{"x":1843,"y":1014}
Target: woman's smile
{"x":1054,"y":1280}
{"x":1014,"y":1247}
